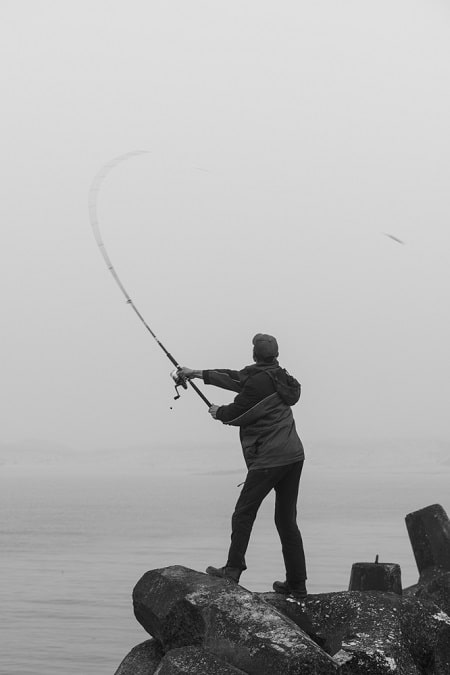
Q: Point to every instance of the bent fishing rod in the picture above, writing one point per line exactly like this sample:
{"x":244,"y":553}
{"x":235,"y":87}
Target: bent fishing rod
{"x":176,"y":375}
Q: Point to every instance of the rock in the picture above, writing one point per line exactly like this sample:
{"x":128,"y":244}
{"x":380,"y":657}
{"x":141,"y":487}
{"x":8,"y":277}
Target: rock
{"x":426,"y":632}
{"x":143,"y":659}
{"x":376,"y":577}
{"x":187,"y":660}
{"x":429,"y":533}
{"x":181,"y":607}
{"x":295,"y":610}
{"x":210,"y":626}
{"x":365,"y":626}
{"x":382,"y":632}
{"x":433,"y":585}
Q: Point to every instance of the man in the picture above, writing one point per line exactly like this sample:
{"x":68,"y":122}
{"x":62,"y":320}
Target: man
{"x":272,"y":451}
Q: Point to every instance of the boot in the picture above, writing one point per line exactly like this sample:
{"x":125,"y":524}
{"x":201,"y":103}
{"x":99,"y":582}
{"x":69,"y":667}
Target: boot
{"x":231,"y":573}
{"x":297,"y":590}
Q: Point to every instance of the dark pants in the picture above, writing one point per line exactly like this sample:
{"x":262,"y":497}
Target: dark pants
{"x":259,"y":482}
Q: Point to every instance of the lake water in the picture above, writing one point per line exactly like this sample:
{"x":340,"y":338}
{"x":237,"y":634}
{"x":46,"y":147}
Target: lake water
{"x":75,"y":538}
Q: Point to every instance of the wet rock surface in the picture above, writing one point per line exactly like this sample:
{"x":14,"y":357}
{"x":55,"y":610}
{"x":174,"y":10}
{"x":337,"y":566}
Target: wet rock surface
{"x":364,"y":627}
{"x":210,"y":626}
{"x":378,"y":632}
{"x":143,"y":659}
{"x":433,"y":585}
{"x":195,"y":661}
{"x":181,"y":607}
{"x":295,"y":610}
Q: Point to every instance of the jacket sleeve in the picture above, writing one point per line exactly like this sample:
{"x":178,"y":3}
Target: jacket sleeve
{"x":254,"y":390}
{"x":223,"y":378}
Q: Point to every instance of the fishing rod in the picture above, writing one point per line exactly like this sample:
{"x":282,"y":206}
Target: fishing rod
{"x":177,"y":376}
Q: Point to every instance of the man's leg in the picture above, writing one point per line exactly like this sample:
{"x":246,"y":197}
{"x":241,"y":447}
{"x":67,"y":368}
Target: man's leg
{"x":258,"y":484}
{"x":286,"y":490}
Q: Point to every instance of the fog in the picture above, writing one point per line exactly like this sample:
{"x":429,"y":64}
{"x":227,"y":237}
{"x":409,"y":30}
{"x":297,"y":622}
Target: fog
{"x":283,"y":142}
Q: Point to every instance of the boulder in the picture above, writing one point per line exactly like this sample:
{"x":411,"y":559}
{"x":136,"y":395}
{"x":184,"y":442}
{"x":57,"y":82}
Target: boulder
{"x":426,"y":633}
{"x":295,"y":610}
{"x":182,"y":607}
{"x":143,"y":659}
{"x":380,"y":632}
{"x":195,"y":661}
{"x":433,"y":585}
{"x":365,"y":626}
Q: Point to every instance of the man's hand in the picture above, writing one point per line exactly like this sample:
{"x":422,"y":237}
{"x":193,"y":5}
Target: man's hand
{"x":213,"y":411}
{"x":190,"y":374}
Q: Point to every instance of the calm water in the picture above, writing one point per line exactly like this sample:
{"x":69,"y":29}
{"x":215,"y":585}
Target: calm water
{"x":74,"y":541}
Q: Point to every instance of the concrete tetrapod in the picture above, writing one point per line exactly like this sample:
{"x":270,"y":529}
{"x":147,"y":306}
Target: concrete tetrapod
{"x":381,"y":633}
{"x":376,"y":577}
{"x":143,"y":659}
{"x":429,"y":533}
{"x":182,"y":607}
{"x":194,"y":661}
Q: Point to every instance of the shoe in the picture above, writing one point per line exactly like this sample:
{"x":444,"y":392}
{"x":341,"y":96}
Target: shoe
{"x":231,"y":573}
{"x":296,"y":591}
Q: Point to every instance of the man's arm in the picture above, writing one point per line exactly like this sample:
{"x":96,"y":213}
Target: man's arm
{"x":190,"y":374}
{"x":255,"y":390}
{"x":220,"y":377}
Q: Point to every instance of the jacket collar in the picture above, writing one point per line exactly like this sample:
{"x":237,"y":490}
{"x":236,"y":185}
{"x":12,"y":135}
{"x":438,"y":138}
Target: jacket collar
{"x":255,"y":368}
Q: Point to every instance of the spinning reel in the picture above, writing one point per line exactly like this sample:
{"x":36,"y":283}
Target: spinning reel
{"x":180,"y":381}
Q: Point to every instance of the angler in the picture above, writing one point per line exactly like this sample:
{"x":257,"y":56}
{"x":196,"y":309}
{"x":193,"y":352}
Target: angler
{"x":273,"y":453}
{"x":262,"y":410}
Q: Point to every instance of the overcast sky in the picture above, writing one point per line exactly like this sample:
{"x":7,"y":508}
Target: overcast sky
{"x":284,"y":140}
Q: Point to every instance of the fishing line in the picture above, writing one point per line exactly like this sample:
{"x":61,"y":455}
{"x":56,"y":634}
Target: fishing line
{"x":94,"y":191}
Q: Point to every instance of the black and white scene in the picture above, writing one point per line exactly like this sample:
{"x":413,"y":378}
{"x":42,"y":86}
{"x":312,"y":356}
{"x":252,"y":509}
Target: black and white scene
{"x":225,"y":264}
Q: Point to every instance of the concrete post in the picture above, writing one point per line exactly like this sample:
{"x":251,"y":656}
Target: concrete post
{"x":429,"y":533}
{"x":376,"y":577}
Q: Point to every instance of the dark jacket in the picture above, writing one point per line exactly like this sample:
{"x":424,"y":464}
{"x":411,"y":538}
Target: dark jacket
{"x":266,"y":424}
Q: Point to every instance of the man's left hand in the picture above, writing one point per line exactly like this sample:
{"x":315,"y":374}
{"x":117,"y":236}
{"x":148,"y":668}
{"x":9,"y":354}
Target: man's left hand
{"x":213,"y":411}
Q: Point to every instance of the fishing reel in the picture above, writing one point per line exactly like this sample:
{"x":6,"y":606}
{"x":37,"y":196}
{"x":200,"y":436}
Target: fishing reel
{"x":180,"y":381}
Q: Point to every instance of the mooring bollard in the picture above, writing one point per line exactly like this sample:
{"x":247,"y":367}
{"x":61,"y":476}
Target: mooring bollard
{"x":429,"y":534}
{"x":376,"y":576}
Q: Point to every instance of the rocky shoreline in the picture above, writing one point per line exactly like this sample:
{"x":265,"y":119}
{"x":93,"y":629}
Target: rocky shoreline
{"x":210,"y":626}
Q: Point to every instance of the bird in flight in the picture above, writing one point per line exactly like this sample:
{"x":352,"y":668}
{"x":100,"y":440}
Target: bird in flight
{"x":391,"y":236}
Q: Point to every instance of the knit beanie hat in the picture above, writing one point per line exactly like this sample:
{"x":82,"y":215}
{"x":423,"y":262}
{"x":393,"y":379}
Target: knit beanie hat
{"x":264,"y":347}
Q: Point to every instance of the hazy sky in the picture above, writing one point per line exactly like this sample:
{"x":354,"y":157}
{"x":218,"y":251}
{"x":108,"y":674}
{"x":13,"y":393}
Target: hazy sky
{"x":283,"y":139}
